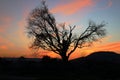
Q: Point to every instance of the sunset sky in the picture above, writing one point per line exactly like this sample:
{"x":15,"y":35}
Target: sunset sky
{"x":13,"y":20}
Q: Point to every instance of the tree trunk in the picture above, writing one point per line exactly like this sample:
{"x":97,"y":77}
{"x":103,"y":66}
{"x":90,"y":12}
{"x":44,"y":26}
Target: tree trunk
{"x":64,"y":58}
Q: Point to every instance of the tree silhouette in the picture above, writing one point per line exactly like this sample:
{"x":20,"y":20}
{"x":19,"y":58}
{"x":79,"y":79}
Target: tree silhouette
{"x":49,"y":35}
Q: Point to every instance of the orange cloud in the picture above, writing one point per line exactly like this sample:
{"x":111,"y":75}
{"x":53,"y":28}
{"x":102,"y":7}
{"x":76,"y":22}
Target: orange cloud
{"x":3,"y":47}
{"x":6,"y":47}
{"x":72,"y":7}
{"x":5,"y":44}
{"x":112,"y":46}
{"x":115,"y":46}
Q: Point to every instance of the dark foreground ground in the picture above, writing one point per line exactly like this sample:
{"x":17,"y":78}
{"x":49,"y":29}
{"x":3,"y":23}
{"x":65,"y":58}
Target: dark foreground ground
{"x":89,"y":68}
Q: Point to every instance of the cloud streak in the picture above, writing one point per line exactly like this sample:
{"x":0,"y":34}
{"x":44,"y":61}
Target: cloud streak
{"x":115,"y":46}
{"x":72,"y":7}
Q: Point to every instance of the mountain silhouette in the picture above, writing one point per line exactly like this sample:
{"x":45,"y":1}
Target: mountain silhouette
{"x":101,"y":56}
{"x":104,"y":56}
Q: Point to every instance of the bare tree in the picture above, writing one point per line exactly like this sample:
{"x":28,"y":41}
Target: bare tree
{"x":49,"y":35}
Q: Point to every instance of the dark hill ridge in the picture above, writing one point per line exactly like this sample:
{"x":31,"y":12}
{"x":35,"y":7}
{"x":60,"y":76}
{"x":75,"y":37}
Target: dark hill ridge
{"x":102,"y":56}
{"x":103,"y":63}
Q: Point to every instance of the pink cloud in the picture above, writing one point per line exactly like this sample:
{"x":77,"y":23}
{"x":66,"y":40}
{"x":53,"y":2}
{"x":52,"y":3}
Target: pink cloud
{"x":72,"y":7}
{"x":109,"y":3}
{"x":1,"y":30}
